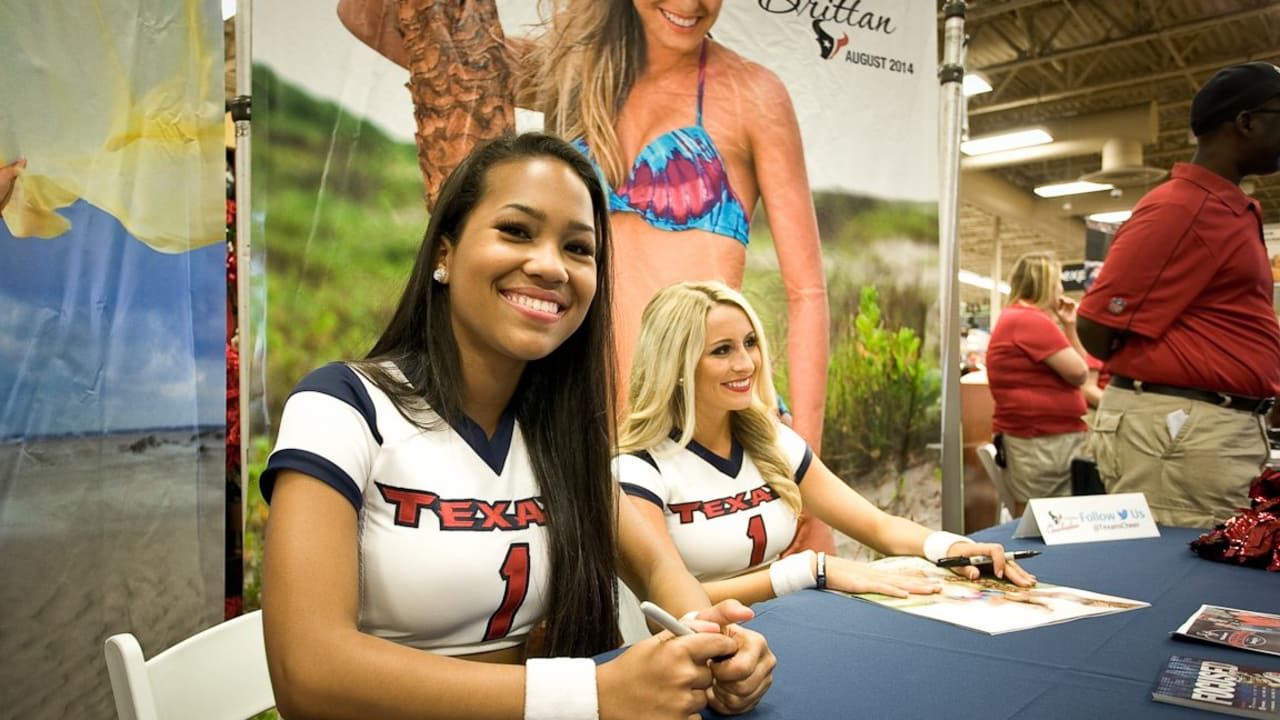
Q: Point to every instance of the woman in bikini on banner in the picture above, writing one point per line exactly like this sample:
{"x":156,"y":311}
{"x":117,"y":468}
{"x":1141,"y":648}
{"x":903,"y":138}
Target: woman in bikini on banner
{"x":677,"y":124}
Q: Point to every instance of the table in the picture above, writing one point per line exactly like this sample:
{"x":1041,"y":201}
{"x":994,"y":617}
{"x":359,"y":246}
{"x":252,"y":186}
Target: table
{"x":840,"y":657}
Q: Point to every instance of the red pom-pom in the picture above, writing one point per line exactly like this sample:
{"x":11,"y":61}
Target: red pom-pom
{"x":1252,"y":537}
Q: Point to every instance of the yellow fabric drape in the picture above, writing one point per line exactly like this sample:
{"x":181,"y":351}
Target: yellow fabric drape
{"x":119,"y":103}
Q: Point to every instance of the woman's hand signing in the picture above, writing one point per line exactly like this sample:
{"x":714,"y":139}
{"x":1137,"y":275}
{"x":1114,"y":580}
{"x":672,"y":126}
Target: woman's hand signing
{"x":1000,"y":567}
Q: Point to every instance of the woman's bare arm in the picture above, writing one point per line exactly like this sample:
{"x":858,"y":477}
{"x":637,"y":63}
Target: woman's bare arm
{"x":833,"y":501}
{"x":778,"y":160}
{"x":374,"y":23}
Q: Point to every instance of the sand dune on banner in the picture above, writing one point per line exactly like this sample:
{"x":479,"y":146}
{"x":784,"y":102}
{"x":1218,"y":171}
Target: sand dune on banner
{"x":97,"y":536}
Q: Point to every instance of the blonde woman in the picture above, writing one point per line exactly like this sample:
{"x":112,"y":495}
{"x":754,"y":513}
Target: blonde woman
{"x":688,"y":135}
{"x":710,"y":469}
{"x":1036,"y":370}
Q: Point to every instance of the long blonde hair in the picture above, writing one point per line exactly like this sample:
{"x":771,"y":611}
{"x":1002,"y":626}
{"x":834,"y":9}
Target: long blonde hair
{"x":662,"y":393}
{"x":1035,"y":279}
{"x":579,"y":70}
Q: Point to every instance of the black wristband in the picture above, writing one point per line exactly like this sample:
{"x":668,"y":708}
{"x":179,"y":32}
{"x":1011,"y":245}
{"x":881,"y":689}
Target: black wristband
{"x":822,"y":571}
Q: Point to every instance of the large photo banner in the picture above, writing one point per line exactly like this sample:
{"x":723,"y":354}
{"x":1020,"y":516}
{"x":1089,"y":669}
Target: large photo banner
{"x":795,"y":158}
{"x":863,"y":78}
{"x":112,"y":333}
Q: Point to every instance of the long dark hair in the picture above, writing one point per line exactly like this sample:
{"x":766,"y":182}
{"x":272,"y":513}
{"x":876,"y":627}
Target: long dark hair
{"x":564,"y":402}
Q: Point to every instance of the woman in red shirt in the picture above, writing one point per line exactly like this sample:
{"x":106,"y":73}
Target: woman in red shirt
{"x":1035,"y":368}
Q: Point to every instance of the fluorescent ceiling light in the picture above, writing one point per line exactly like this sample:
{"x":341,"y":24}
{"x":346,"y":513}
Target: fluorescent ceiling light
{"x":982,"y":281}
{"x":228,"y":9}
{"x":975,"y":84}
{"x":1005,"y":141}
{"x":1115,"y":217}
{"x":1075,"y":187}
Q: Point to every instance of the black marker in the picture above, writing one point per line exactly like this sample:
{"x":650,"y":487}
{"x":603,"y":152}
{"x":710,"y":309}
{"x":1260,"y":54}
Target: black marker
{"x":962,"y":560}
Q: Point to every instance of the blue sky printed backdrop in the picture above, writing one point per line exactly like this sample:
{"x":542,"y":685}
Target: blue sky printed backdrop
{"x":99,"y":333}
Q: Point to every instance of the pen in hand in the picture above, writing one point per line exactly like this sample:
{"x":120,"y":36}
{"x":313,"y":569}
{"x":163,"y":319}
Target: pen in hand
{"x":665,"y":619}
{"x":668,"y":621}
{"x":963,"y":560}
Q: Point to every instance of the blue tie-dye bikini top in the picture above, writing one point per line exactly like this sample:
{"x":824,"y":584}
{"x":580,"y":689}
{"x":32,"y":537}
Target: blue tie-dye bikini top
{"x":678,"y":181}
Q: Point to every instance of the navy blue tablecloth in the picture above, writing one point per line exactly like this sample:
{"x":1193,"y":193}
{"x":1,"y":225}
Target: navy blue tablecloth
{"x":840,"y":657}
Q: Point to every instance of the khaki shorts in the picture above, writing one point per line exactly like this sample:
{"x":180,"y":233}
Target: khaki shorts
{"x":1040,"y":466}
{"x":1086,"y":450}
{"x":1197,"y":477}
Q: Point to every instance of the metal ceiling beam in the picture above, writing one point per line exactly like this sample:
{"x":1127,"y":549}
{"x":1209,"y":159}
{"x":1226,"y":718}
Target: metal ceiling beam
{"x":984,"y":10}
{"x":1202,"y":24}
{"x":1104,"y":87}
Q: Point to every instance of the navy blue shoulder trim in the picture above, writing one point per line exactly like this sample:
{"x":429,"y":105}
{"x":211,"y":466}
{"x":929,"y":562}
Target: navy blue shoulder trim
{"x":642,"y":493}
{"x":311,"y":464}
{"x":341,"y":382}
{"x":804,"y":464}
{"x":645,"y":456}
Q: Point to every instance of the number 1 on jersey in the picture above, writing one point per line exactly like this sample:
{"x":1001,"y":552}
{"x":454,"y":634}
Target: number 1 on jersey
{"x":515,"y":573}
{"x":759,"y":538}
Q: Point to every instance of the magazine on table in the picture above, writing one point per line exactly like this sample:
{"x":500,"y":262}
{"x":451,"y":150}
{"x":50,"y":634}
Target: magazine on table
{"x":1244,"y":629}
{"x":1224,"y":687}
{"x":992,"y":605}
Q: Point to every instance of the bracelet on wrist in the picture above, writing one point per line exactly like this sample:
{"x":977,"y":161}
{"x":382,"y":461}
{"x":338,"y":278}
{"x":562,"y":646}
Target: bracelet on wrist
{"x":821,"y":579}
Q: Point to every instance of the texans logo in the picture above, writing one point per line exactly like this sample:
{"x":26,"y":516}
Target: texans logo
{"x":827,"y":45}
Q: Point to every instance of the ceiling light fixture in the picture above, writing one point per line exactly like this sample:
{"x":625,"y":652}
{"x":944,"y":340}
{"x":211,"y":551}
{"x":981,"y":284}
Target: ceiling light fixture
{"x":1115,"y":218}
{"x":975,"y":83}
{"x":982,"y":281}
{"x":1005,"y":141}
{"x":1075,"y":187}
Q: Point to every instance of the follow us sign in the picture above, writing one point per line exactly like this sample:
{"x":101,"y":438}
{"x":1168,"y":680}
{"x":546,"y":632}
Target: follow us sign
{"x":1087,"y":518}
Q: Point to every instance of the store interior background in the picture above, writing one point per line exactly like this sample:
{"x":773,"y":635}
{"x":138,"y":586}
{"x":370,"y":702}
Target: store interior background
{"x":1111,"y":82}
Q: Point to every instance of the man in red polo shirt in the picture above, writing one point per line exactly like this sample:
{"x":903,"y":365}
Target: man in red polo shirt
{"x":1182,"y":314}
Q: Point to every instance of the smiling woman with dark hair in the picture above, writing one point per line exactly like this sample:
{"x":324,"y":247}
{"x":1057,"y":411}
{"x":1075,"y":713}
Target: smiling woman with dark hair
{"x":435,"y":503}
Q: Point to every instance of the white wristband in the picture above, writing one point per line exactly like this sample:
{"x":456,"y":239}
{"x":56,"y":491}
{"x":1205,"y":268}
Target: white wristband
{"x":560,"y":689}
{"x":792,"y":573}
{"x":938,"y":542}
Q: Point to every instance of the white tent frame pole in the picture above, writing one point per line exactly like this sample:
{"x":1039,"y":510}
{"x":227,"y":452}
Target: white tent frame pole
{"x":951,"y":77}
{"x":244,"y":227}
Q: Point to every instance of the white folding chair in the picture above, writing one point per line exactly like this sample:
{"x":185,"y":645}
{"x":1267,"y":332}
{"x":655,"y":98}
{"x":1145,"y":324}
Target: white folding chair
{"x":216,"y":674}
{"x":987,"y":455}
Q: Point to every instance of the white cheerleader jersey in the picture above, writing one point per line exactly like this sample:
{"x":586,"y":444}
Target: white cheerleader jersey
{"x":452,"y":536}
{"x":723,"y":517}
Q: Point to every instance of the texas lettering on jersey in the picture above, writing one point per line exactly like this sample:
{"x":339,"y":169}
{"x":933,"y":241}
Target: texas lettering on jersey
{"x":463,"y":513}
{"x":737,"y":502}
